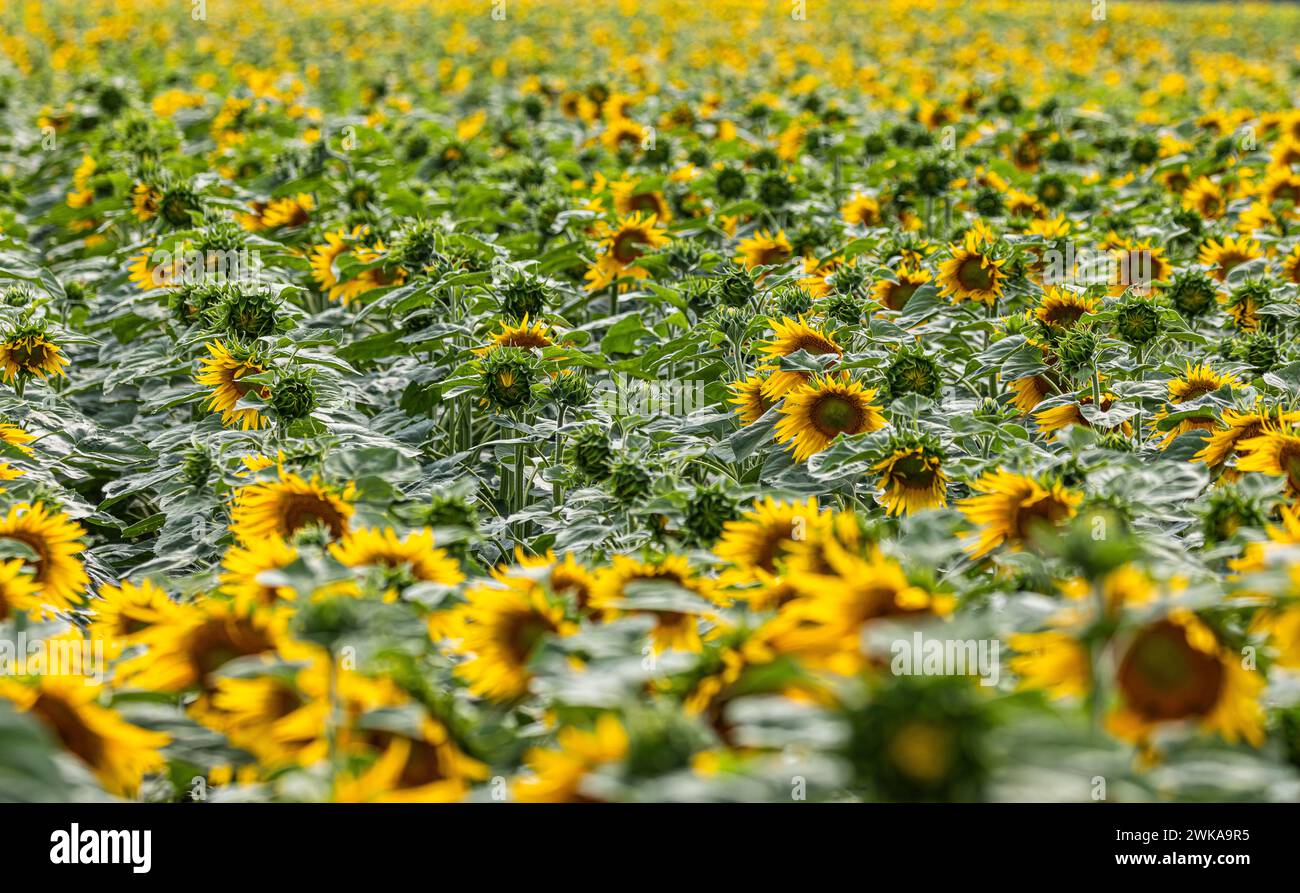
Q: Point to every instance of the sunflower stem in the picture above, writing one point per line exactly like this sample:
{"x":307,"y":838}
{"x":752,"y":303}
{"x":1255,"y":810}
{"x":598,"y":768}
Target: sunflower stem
{"x":332,"y":726}
{"x":557,"y":491}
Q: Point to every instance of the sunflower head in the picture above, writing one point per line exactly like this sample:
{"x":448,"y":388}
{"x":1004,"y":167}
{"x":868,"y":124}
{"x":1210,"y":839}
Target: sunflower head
{"x":525,"y":336}
{"x":707,"y":514}
{"x":1245,"y":301}
{"x":293,"y":396}
{"x":1076,"y":349}
{"x":1137,"y":320}
{"x":1174,"y":671}
{"x":921,"y":739}
{"x":815,"y":414}
{"x":1192,"y":293}
{"x":1223,"y":257}
{"x":893,"y":294}
{"x":507,"y":377}
{"x":1260,"y":351}
{"x":222,"y":371}
{"x":240,"y":312}
{"x":178,"y":204}
{"x":1010,"y":508}
{"x":28,"y":352}
{"x":912,"y":371}
{"x":193,"y":302}
{"x":790,"y":337}
{"x":629,"y":479}
{"x":775,"y":190}
{"x":592,"y":452}
{"x":50,"y":544}
{"x":290,"y":506}
{"x":1227,"y":511}
{"x":522,"y":296}
{"x":1059,"y":310}
{"x":569,"y":389}
{"x":197,"y":465}
{"x":974,"y":272}
{"x":765,"y":535}
{"x":911,"y":474}
{"x":730,"y":181}
{"x":117,"y":752}
{"x":500,"y":630}
{"x":18,"y":591}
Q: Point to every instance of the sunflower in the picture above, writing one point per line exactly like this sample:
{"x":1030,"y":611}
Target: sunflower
{"x":24,"y":354}
{"x":1222,"y":257}
{"x":1139,"y":265}
{"x":629,"y":200}
{"x":792,"y":336}
{"x":1175,"y":670}
{"x":771,"y":593}
{"x":1178,"y":179}
{"x":17,"y":438}
{"x":1205,"y":197}
{"x":425,"y":767}
{"x":747,"y":397}
{"x":566,"y":578}
{"x":1059,"y":417}
{"x":1281,"y":185}
{"x":282,"y":508}
{"x":187,"y":649}
{"x":221,"y":371}
{"x":524,"y":335}
{"x":124,"y":613}
{"x":1030,"y":391}
{"x":499,"y":630}
{"x":289,"y":210}
{"x":893,"y":294}
{"x":675,"y":627}
{"x":620,"y":246}
{"x":55,"y":541}
{"x":1225,"y":443}
{"x":1256,"y":555}
{"x":972,"y":273}
{"x":1196,"y":382}
{"x":414,"y":556}
{"x":282,"y":718}
{"x":1010,"y":506}
{"x":1059,"y":309}
{"x":1291,"y":265}
{"x":814,"y":415}
{"x":623,"y":133}
{"x":244,"y":564}
{"x":1275,"y":450}
{"x":808,"y":554}
{"x":1053,"y":661}
{"x":861,"y":210}
{"x":912,"y":477}
{"x":556,"y":776}
{"x":147,"y":275}
{"x":761,"y":537}
{"x":18,"y":591}
{"x":763,"y":249}
{"x":144,"y":201}
{"x":279,"y":721}
{"x":1022,"y":204}
{"x":117,"y":752}
{"x":824,"y":625}
{"x":1243,"y":305}
{"x":323,"y":258}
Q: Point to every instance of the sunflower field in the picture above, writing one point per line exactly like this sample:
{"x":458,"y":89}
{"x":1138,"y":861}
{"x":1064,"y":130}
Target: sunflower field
{"x":648,"y":400}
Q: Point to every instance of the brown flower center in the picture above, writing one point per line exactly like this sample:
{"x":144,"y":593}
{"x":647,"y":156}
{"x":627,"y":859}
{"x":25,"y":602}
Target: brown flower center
{"x":1163,"y":677}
